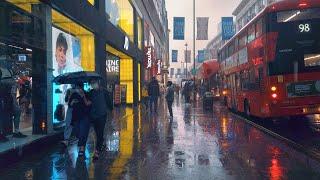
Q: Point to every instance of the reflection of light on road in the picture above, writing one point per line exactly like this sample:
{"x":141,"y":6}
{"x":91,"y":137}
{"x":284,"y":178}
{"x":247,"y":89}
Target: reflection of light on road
{"x":317,"y":118}
{"x":126,"y":146}
{"x":275,"y":170}
{"x":225,"y":127}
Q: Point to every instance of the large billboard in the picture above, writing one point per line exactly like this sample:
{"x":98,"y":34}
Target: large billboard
{"x":178,"y":28}
{"x":227,"y":28}
{"x":66,"y":50}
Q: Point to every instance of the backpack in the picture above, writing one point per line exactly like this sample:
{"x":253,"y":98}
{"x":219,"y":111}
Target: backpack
{"x":59,"y":112}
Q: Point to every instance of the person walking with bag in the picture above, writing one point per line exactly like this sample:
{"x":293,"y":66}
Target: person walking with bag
{"x":170,"y":97}
{"x":154,"y":93}
{"x":80,"y":104}
{"x":68,"y":127}
{"x":101,"y":103}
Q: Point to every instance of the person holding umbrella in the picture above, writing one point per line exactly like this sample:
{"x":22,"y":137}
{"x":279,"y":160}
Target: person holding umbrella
{"x":80,"y":104}
{"x":101,"y":105}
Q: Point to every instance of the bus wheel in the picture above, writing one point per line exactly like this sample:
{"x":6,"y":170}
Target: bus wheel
{"x":246,"y":108}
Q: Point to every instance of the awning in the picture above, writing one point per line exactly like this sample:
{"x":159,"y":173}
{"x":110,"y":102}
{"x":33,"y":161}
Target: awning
{"x":208,"y":68}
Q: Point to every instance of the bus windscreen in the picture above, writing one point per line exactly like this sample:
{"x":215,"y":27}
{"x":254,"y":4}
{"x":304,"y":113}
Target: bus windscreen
{"x":298,"y":15}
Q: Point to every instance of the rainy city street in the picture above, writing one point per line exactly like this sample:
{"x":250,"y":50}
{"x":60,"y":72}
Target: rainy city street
{"x":197,"y":144}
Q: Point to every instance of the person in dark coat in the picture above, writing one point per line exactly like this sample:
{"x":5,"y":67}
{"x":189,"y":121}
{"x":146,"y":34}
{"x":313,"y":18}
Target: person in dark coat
{"x":154,"y":93}
{"x":170,"y":97}
{"x":101,"y":104}
{"x":80,"y":104}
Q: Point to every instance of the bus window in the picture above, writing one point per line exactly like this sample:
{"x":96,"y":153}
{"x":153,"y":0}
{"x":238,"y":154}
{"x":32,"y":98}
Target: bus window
{"x":259,"y":28}
{"x":242,"y":40}
{"x":236,"y":44}
{"x":251,"y":33}
{"x":231,"y":49}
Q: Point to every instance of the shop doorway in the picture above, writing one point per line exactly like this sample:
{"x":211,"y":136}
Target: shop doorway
{"x":125,"y":76}
{"x":16,"y":65}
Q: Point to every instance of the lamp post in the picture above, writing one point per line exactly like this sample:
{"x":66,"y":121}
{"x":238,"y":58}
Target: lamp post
{"x":186,"y":60}
{"x":194,"y":50}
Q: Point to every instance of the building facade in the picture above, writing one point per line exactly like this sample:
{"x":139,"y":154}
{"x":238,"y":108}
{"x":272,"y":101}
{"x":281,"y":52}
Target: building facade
{"x":248,"y":9}
{"x":42,"y":39}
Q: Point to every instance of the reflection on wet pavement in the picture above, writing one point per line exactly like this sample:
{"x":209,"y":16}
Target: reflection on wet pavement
{"x":195,"y":145}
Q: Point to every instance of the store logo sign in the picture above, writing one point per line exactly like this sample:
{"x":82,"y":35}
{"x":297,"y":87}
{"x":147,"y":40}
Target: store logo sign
{"x":112,"y":66}
{"x":126,"y":43}
{"x":148,"y":57}
{"x":159,"y":66}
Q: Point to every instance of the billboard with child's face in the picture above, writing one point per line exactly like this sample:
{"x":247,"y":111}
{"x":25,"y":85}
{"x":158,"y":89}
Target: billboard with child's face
{"x":66,"y":52}
{"x":66,"y":57}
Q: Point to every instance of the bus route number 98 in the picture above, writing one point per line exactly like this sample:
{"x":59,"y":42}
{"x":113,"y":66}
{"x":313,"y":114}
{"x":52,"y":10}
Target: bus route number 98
{"x":304,"y":28}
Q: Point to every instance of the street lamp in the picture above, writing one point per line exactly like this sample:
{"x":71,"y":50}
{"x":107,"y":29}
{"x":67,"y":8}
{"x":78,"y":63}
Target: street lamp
{"x":194,"y":51}
{"x":186,"y":60}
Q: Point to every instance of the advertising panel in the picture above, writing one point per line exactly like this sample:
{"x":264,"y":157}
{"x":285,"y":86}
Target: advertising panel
{"x":149,"y":57}
{"x":178,"y":28}
{"x":227,"y":28}
{"x":66,"y":50}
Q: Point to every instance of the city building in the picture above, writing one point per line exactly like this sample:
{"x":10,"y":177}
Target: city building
{"x":41,"y":39}
{"x":248,"y":9}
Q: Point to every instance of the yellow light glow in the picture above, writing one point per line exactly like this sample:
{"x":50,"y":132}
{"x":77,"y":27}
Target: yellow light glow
{"x":86,"y":38}
{"x":24,"y":4}
{"x":126,"y":77}
{"x":139,"y":81}
{"x":273,"y":88}
{"x":126,"y":20}
{"x":91,"y":2}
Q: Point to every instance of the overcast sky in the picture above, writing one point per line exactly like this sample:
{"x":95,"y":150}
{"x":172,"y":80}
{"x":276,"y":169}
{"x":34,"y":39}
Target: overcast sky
{"x":214,"y":9}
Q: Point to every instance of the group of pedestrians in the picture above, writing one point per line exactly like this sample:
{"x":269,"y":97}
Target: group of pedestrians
{"x":151,"y":94}
{"x":84,"y":109}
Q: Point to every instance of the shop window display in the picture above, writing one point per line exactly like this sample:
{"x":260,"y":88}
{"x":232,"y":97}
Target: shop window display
{"x":72,"y":51}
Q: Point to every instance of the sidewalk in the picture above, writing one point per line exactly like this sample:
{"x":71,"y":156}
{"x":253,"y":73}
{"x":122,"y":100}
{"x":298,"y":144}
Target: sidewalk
{"x":18,"y":148}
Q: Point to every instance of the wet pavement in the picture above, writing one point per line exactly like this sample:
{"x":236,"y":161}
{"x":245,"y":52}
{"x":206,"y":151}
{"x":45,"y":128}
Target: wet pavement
{"x":196,"y":144}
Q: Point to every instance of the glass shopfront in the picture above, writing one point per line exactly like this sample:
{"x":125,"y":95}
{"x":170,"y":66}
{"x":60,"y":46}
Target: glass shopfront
{"x":120,"y":13}
{"x":72,"y":51}
{"x":22,"y":57}
{"x":37,"y":43}
{"x":125,"y":76}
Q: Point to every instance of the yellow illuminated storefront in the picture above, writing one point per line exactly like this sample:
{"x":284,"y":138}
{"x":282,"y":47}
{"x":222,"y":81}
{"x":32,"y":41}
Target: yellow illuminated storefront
{"x":126,"y":72}
{"x":80,"y":56}
{"x":86,"y":38}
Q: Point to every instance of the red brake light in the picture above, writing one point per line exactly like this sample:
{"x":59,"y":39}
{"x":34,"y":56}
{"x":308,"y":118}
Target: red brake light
{"x":274,"y":95}
{"x":303,"y":4}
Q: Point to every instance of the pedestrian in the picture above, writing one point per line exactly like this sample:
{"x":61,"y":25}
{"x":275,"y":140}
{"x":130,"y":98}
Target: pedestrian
{"x":80,"y":107}
{"x":186,"y":92}
{"x":170,"y":97}
{"x":101,"y":102}
{"x":68,"y":127}
{"x":145,"y":96}
{"x":154,"y":93}
{"x":4,"y":115}
{"x":16,"y":114}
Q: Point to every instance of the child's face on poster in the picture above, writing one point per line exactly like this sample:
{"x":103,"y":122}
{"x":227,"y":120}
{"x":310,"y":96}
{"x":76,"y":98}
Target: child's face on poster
{"x":61,"y":56}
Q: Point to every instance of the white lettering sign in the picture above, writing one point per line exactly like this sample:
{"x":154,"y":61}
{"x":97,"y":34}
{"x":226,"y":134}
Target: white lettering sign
{"x":159,"y":66}
{"x":126,"y":43}
{"x":112,"y":65}
{"x":149,"y":57}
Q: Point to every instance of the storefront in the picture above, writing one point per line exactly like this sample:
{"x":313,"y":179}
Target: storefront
{"x":120,"y":75}
{"x":38,"y":43}
{"x":41,"y":39}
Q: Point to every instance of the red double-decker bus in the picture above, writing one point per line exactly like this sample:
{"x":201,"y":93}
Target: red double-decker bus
{"x":271,"y":67}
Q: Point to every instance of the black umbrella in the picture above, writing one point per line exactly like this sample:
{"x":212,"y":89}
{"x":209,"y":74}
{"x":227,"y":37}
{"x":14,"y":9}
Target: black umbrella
{"x":76,"y":77}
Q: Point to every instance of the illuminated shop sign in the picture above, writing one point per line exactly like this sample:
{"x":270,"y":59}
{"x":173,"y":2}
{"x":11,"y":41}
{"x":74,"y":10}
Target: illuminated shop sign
{"x":159,"y":66}
{"x":112,"y":65}
{"x":149,"y":57}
